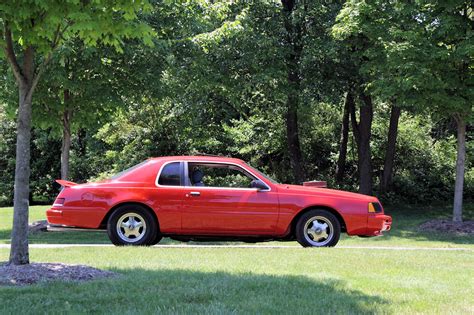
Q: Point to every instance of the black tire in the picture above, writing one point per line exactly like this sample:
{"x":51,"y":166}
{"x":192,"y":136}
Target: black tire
{"x":147,"y":234}
{"x":157,"y":239}
{"x":323,"y":217}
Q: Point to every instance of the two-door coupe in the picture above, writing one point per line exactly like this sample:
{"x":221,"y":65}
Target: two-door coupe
{"x":218,"y":198}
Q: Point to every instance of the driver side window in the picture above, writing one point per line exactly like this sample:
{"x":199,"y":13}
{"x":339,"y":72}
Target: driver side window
{"x":219,"y":175}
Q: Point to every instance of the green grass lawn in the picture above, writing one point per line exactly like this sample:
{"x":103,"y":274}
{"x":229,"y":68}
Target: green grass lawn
{"x":404,"y":230}
{"x":258,"y":280}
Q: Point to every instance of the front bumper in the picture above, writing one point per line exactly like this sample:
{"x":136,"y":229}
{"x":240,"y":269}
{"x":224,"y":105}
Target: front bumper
{"x":378,"y":223}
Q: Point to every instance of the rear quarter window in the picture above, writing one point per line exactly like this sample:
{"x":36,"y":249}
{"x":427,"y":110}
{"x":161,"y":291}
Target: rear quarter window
{"x":170,"y":175}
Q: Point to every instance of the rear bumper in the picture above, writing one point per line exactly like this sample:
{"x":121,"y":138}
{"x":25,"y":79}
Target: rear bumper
{"x":89,"y":218}
{"x":54,"y":216}
{"x":378,"y":223}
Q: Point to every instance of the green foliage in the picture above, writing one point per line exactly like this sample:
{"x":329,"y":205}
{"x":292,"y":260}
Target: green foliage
{"x":45,"y":150}
{"x":41,"y":24}
{"x":424,"y":165}
{"x":418,"y":53}
{"x":7,"y":162}
{"x":215,"y":81}
{"x":88,"y":79}
{"x":44,"y":167}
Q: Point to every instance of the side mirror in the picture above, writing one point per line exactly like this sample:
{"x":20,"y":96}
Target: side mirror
{"x":256,"y":183}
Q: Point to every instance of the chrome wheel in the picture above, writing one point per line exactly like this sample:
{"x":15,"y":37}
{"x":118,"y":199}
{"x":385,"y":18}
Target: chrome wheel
{"x":131,"y":227}
{"x":318,"y":231}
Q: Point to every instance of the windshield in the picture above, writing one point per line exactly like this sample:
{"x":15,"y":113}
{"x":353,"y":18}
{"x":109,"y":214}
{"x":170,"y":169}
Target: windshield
{"x":120,"y":174}
{"x":263,"y":175}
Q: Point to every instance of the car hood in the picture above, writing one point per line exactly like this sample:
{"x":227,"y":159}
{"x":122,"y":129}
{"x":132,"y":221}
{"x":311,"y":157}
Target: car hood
{"x":326,"y":192}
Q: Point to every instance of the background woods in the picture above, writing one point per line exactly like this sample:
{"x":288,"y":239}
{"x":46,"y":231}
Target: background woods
{"x":372,"y":96}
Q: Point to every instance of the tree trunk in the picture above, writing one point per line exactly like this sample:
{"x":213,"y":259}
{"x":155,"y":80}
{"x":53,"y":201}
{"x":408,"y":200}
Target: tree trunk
{"x":460,"y":166}
{"x":293,"y":141}
{"x":81,"y":142}
{"x":341,"y":161}
{"x":362,"y":133}
{"x":66,"y":140}
{"x":19,"y":254}
{"x":386,"y":179}
{"x":292,"y":58}
{"x":19,"y":239}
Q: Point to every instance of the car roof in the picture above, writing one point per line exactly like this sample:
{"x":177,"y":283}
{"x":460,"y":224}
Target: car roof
{"x":207,"y":158}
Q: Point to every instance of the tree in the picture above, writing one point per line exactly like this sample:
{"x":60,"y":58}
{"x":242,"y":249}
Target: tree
{"x":362,"y":131}
{"x":449,"y":30}
{"x":295,"y":28}
{"x":341,"y":161}
{"x":31,"y":32}
{"x":309,"y":56}
{"x":387,"y":173}
{"x":370,"y":29}
{"x":81,"y":88}
{"x":422,"y":60}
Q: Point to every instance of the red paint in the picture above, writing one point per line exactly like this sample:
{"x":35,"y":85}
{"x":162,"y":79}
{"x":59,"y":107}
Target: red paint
{"x":65,"y":183}
{"x":215,"y":211}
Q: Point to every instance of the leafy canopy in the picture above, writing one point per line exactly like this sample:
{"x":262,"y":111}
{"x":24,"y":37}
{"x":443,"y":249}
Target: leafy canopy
{"x":46,"y":24}
{"x":419,"y":52}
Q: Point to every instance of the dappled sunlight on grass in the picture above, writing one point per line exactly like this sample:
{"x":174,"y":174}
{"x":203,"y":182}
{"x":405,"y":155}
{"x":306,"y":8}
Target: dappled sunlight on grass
{"x":254,"y":280}
{"x":184,"y":291}
{"x":257,"y":280}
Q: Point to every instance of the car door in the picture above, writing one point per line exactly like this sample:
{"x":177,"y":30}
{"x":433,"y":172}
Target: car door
{"x":168,"y":196}
{"x":211,"y":208}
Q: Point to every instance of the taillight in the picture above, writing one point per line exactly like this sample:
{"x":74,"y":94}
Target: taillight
{"x":59,"y":202}
{"x":375,"y":207}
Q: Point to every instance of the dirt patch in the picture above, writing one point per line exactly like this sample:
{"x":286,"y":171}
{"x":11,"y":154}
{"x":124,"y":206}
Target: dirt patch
{"x":447,"y":226}
{"x":41,"y":272}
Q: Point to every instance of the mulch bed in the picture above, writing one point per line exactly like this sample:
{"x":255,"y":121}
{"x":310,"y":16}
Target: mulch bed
{"x":38,"y":226}
{"x":447,"y":226}
{"x":42,"y":272}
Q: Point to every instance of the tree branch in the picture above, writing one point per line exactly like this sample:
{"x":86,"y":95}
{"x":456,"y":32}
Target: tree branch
{"x":11,"y":57}
{"x":40,"y":72}
{"x":59,"y":35}
{"x":56,"y":36}
{"x":43,"y":66}
{"x":355,"y":124}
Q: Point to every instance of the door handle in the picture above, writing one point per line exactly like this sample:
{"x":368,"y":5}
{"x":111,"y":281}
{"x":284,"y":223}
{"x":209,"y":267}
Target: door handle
{"x":195,"y":193}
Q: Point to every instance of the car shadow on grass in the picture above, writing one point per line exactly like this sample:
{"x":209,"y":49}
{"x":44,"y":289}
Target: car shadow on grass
{"x":182,"y":291}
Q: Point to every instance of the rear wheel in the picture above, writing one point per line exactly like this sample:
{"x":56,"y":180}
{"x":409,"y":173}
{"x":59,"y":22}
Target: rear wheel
{"x":132,"y":225}
{"x":318,"y":228}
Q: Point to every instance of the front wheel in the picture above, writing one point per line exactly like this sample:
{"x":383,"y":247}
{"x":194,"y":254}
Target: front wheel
{"x":132,"y":225}
{"x":318,"y":228}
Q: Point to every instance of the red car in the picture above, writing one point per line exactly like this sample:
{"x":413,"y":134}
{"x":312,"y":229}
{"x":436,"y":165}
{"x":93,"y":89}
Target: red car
{"x":213,"y":198}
